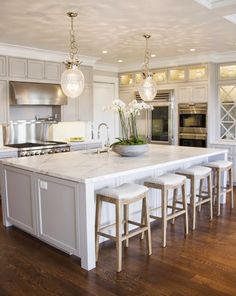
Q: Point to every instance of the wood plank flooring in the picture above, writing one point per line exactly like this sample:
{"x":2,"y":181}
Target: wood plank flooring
{"x":202,"y":264}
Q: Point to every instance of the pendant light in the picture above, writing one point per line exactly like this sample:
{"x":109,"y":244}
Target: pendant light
{"x":72,"y":79}
{"x":147,"y":88}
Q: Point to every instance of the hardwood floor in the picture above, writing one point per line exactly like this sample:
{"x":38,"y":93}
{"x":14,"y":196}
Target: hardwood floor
{"x":202,"y":264}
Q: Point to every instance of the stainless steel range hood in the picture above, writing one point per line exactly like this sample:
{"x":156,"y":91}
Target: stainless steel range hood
{"x":30,"y":93}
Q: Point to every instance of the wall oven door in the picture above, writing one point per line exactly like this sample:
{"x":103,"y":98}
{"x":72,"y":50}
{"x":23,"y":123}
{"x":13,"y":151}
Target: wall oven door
{"x":193,"y":140}
{"x":193,"y":118}
{"x":160,"y":123}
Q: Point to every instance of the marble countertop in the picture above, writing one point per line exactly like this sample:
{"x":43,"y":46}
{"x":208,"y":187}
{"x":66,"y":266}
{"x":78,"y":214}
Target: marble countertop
{"x":87,"y":166}
{"x":4,"y":149}
{"x":85,"y":142}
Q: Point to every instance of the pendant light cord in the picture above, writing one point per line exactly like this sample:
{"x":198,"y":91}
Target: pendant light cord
{"x":146,"y":57}
{"x":73,"y":44}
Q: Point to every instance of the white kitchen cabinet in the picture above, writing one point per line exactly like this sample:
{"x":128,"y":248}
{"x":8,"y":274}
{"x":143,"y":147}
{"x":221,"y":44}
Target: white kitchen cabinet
{"x":193,"y":94}
{"x":80,"y":108}
{"x":88,"y":74}
{"x":3,"y":67}
{"x":85,"y":104}
{"x":52,"y":71}
{"x":20,"y":199}
{"x":35,"y":69}
{"x":17,"y":67}
{"x":127,"y":95}
{"x":4,"y":105}
{"x":70,"y":112}
{"x":57,"y":207}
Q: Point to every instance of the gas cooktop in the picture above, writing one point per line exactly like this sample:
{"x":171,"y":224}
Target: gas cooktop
{"x":32,"y":145}
{"x":40,"y":148}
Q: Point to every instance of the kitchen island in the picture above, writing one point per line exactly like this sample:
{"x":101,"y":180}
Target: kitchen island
{"x":53,"y":196}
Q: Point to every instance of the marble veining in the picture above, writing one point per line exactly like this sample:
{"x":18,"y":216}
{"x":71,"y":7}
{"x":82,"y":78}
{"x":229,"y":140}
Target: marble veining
{"x":87,"y":166}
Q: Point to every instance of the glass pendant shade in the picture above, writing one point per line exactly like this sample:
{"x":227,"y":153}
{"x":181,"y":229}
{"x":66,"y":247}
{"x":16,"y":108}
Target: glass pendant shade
{"x":147,"y":89}
{"x":72,"y":82}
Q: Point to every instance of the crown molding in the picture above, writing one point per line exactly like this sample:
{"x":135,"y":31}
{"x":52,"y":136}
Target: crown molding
{"x":183,"y":60}
{"x":106,"y":67}
{"x":41,"y":54}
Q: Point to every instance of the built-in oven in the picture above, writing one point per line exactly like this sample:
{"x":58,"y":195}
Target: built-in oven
{"x":157,"y":124}
{"x":193,"y":125}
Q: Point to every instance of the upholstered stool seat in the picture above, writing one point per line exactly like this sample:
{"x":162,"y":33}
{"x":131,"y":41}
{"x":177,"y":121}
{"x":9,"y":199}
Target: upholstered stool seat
{"x":165,"y":183}
{"x":194,"y":174}
{"x":122,"y":196}
{"x":167,"y":180}
{"x":126,"y":190}
{"x":218,"y":167}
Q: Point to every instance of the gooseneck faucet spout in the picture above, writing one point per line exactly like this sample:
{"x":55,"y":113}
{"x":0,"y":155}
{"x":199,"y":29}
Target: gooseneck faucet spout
{"x":107,"y":144}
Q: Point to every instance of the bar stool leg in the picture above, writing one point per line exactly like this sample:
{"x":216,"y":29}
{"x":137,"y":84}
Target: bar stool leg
{"x":231,"y":186}
{"x":185,"y":206}
{"x":164,"y":216}
{"x":118,"y":237}
{"x":147,"y":224}
{"x":218,"y":190}
{"x":126,"y":225}
{"x":97,"y":223}
{"x":200,"y":193}
{"x":209,"y":182}
{"x":193,"y":202}
{"x":175,"y":195}
{"x":142,"y":218}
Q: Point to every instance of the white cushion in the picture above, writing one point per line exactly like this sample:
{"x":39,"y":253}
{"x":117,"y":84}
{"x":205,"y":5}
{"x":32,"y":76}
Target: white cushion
{"x":222,"y":164}
{"x":196,"y":171}
{"x":124,"y":191}
{"x":167,"y":179}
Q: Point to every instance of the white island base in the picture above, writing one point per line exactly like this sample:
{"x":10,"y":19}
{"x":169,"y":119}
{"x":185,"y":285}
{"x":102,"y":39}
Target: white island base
{"x":53,"y":196}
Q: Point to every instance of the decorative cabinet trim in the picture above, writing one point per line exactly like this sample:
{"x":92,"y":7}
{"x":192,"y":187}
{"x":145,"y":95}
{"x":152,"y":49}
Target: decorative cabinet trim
{"x":3,"y":68}
{"x":35,"y":69}
{"x":17,"y":67}
{"x":52,"y":71}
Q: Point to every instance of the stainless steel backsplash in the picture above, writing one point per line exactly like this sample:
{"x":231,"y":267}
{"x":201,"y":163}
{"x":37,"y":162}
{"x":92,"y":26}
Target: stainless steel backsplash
{"x":23,"y":131}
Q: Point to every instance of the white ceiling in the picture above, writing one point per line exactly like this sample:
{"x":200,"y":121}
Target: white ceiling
{"x":117,"y":26}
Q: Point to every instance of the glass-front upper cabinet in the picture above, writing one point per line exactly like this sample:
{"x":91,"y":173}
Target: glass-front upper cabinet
{"x":227,"y":95}
{"x":126,"y":79}
{"x":177,"y":75}
{"x":227,"y":72}
{"x":160,"y":76}
{"x":198,"y":72}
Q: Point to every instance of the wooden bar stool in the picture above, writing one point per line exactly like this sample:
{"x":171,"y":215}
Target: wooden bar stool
{"x":218,"y":167}
{"x":165,"y":183}
{"x":194,"y":174}
{"x":123,"y":196}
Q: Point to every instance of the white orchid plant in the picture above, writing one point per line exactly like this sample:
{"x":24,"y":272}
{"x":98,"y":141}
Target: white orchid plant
{"x":128,"y":120}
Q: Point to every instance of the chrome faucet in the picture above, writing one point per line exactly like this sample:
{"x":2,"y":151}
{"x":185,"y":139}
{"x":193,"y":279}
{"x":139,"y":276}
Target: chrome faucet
{"x":107,"y":144}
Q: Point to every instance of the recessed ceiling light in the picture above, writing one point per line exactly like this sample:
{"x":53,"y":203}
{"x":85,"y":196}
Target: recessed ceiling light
{"x":104,"y":51}
{"x":153,"y":55}
{"x":120,"y":61}
{"x":192,"y":49}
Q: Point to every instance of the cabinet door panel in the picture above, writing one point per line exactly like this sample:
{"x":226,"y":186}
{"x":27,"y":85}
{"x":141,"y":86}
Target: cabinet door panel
{"x":35,"y":69}
{"x":200,"y":94}
{"x":3,"y":102}
{"x":88,"y":73}
{"x":86,"y":104}
{"x":20,"y":201}
{"x":3,"y":68}
{"x":17,"y":67}
{"x":185,"y":94}
{"x":52,"y":71}
{"x":57,"y":212}
{"x":70,"y":112}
